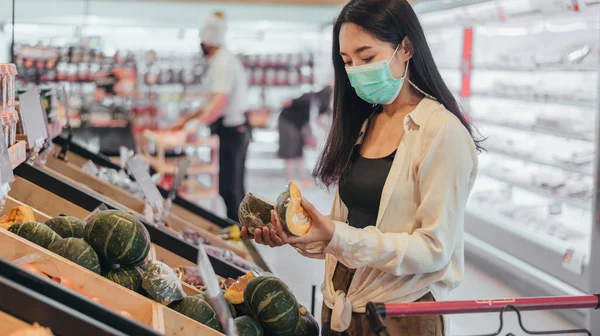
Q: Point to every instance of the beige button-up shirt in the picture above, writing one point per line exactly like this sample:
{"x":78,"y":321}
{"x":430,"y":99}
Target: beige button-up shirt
{"x":417,"y":244}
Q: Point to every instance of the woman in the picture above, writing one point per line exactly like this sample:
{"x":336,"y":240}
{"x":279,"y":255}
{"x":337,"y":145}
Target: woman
{"x":404,"y":159}
{"x":295,"y":131}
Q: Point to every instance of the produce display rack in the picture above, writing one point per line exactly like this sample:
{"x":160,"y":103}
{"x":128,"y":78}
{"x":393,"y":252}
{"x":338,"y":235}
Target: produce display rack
{"x":36,"y":307}
{"x":149,"y":317}
{"x":182,"y":208}
{"x":51,"y":186}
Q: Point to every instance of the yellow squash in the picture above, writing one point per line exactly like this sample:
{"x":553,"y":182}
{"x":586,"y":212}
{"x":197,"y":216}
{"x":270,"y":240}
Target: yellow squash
{"x":18,"y":214}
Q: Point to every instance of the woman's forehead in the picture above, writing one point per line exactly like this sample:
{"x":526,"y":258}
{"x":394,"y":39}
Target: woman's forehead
{"x":353,"y":37}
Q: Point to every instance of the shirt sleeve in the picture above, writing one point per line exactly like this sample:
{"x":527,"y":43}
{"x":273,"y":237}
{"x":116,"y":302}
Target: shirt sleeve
{"x":221,"y":75}
{"x":444,"y":178}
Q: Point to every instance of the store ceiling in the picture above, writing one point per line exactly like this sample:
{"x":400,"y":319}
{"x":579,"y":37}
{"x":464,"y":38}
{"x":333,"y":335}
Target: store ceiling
{"x":281,"y":2}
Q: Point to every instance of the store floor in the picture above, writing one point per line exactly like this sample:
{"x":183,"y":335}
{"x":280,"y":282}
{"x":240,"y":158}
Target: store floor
{"x":266,"y":177}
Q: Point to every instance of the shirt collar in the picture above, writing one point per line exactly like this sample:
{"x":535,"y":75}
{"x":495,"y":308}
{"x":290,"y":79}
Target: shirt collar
{"x":416,"y":117}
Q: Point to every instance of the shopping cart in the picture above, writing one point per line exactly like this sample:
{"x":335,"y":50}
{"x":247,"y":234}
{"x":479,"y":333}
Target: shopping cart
{"x":376,"y":312}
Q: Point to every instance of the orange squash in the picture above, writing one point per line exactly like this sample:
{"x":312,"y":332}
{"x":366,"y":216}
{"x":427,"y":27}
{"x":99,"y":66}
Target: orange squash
{"x":18,"y":214}
{"x":290,"y":212}
{"x":235,"y":293}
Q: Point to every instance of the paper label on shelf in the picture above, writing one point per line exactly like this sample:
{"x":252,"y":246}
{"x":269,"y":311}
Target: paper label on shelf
{"x":213,"y":291}
{"x":123,"y":155}
{"x":6,"y":172}
{"x":183,"y":167}
{"x":33,"y":117}
{"x":90,"y":218}
{"x":138,"y":169}
{"x":573,"y":261}
{"x":65,"y":102}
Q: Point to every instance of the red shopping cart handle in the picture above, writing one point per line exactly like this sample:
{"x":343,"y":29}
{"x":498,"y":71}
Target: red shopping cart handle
{"x":483,"y":306}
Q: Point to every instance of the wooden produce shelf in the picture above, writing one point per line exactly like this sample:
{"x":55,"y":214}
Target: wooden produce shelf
{"x":73,"y":170}
{"x":143,"y":310}
{"x":134,"y":204}
{"x":169,"y":166}
{"x":182,"y":207}
{"x":17,"y":153}
{"x":9,"y":323}
{"x":45,"y":191}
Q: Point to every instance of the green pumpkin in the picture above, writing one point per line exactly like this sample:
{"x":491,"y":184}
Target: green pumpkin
{"x":37,"y":233}
{"x":128,"y":277}
{"x":118,"y":237}
{"x":161,"y":283}
{"x":196,"y":308}
{"x":248,"y":326}
{"x":78,"y":251}
{"x":307,"y":325}
{"x":271,"y":302}
{"x":66,"y":226}
{"x":255,"y":212}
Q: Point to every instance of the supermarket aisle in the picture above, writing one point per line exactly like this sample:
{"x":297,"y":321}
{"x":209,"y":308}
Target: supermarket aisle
{"x":266,"y":177}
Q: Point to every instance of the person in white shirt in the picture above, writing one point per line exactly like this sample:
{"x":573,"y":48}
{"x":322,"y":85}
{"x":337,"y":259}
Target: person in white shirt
{"x":404,"y":158}
{"x":226,"y":83}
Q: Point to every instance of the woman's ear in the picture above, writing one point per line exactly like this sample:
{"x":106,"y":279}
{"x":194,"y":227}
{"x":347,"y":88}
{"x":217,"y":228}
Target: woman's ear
{"x":407,"y":48}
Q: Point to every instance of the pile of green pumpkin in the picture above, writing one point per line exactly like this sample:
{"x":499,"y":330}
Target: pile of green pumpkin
{"x":115,"y":244}
{"x":266,"y":306}
{"x":112,"y":242}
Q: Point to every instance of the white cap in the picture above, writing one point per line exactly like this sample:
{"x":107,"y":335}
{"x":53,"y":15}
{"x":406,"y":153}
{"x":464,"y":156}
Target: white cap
{"x":214,"y":29}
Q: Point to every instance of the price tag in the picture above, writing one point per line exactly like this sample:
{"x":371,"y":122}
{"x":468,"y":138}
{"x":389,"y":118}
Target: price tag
{"x":66,"y":104}
{"x":574,"y":261}
{"x":123,"y":155}
{"x":213,"y":291}
{"x":137,"y":168}
{"x":33,"y":118}
{"x":183,"y":167}
{"x":90,"y":218}
{"x":6,"y":173}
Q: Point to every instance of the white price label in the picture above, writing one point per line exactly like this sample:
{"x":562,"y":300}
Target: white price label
{"x":33,"y":118}
{"x":138,"y":169}
{"x":65,"y":102}
{"x":6,"y":173}
{"x":90,"y":218}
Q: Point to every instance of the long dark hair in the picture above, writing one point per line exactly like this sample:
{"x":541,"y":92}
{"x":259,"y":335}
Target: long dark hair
{"x":389,"y":21}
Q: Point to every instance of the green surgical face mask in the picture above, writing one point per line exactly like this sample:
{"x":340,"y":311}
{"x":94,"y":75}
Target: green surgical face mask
{"x":374,"y":83}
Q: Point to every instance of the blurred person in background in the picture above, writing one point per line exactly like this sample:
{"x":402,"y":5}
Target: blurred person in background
{"x":294,"y":126}
{"x":226,"y":84}
{"x":404,"y":160}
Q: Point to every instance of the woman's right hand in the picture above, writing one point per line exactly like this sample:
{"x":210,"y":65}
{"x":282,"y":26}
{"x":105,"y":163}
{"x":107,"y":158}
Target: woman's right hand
{"x":265,"y":236}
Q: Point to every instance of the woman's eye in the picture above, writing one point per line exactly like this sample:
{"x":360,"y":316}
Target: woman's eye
{"x":348,"y":63}
{"x":368,"y":59}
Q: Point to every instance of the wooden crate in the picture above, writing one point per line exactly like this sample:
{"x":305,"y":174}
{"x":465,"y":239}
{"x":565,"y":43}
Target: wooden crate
{"x":71,"y":171}
{"x":141,"y":308}
{"x":10,"y":324}
{"x":17,"y":153}
{"x":189,"y":216}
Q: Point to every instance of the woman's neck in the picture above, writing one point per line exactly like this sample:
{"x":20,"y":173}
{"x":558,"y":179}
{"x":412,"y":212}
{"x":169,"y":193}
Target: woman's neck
{"x":406,"y":101}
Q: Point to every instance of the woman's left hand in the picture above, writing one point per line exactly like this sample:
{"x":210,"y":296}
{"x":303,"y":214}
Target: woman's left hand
{"x":321,"y":230}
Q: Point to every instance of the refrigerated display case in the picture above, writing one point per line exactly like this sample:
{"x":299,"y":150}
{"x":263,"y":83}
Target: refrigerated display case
{"x":526,"y":74}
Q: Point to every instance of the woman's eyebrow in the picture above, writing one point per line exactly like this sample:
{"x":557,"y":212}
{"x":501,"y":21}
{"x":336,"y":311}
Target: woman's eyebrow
{"x":357,"y":50}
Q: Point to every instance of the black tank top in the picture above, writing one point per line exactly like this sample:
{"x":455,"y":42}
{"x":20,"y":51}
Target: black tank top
{"x":361,"y":188}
